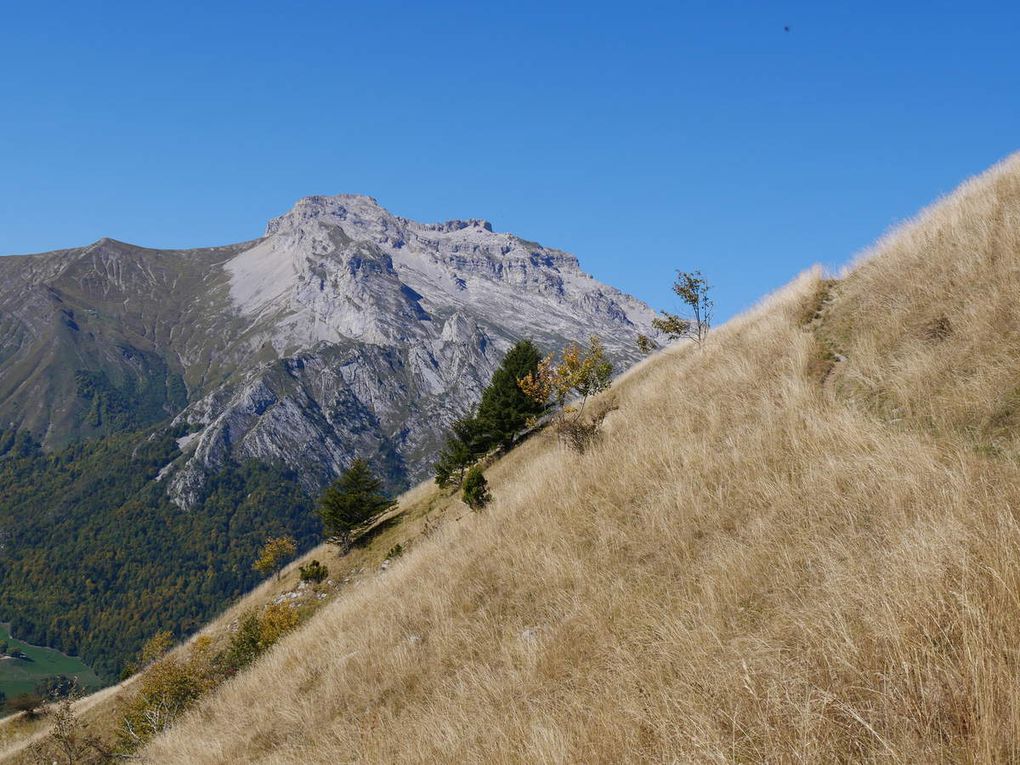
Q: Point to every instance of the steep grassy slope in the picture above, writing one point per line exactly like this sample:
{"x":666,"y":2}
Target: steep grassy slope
{"x":801,"y":544}
{"x":777,"y":554}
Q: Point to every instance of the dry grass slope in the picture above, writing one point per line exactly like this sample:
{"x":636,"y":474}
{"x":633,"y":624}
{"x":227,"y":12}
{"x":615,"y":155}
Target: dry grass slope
{"x":799,"y":545}
{"x":771,"y":558}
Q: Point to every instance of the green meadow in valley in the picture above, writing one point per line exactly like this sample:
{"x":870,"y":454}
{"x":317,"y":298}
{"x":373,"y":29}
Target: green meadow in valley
{"x":22,"y":675}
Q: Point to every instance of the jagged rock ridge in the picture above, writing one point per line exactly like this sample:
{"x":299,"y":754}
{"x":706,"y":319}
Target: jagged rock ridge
{"x":345,"y":330}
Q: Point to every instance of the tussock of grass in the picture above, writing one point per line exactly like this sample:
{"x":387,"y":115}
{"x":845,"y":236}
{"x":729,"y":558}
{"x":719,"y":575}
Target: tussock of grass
{"x":751,"y":566}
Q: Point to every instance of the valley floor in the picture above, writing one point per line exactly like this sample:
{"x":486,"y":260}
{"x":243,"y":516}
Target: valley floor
{"x":21,"y":674}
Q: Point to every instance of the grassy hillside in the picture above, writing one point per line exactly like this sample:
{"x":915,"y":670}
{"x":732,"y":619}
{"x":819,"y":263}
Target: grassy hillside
{"x":800,"y":544}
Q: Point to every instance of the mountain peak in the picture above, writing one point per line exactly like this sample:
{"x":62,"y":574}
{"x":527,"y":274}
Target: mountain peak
{"x":364,"y":211}
{"x":105,"y":242}
{"x":336,"y":208}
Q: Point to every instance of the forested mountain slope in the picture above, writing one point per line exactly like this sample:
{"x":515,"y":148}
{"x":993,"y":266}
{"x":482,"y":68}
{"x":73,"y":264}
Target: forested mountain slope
{"x":800,"y":543}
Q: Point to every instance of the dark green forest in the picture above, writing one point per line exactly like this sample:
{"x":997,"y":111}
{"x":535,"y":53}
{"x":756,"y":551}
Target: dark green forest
{"x":94,"y":558}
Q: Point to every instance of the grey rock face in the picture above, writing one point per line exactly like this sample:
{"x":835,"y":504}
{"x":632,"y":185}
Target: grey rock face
{"x":345,"y":331}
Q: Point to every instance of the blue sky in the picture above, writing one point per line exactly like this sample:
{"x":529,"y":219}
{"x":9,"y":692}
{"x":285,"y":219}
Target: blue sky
{"x":643,"y":137}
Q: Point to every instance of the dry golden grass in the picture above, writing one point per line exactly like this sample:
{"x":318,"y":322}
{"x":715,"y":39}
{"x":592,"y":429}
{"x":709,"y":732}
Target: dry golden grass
{"x":798,"y":545}
{"x":759,"y":564}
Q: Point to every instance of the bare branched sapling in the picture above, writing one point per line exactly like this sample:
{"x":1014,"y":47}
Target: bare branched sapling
{"x":692,"y":289}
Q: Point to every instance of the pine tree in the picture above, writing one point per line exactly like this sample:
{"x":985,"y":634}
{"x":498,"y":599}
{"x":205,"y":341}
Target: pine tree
{"x":502,"y":414}
{"x":476,"y":489}
{"x":462,"y":447}
{"x":350,"y":503}
{"x":504,"y":410}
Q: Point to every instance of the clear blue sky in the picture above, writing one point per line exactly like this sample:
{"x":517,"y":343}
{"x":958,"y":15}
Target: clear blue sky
{"x":643,"y":137}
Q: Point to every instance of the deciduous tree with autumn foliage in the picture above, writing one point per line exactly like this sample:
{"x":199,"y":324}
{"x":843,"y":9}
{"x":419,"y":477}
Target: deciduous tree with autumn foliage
{"x":567,"y":386}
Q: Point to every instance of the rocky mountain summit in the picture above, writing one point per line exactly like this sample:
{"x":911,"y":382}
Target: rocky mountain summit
{"x":345,"y":330}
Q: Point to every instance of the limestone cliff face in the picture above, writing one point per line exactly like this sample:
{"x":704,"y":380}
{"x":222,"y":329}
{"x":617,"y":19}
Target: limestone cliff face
{"x":344,"y":331}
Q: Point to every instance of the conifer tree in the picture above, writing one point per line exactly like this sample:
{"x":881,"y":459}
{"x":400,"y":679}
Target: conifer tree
{"x":460,"y":450}
{"x":350,"y":503}
{"x":476,"y":489}
{"x":504,"y":410}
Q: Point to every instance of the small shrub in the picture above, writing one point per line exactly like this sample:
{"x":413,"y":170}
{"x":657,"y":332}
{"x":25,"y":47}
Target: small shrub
{"x":580,"y":374}
{"x":579,"y":435}
{"x":167,"y":689}
{"x":313,"y":571}
{"x":256,"y":631}
{"x":396,"y":551}
{"x":243,"y":647}
{"x":645,"y":344}
{"x":28,"y":704}
{"x":68,"y":739}
{"x":201,"y":653}
{"x":276,"y":621}
{"x":476,"y":489}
